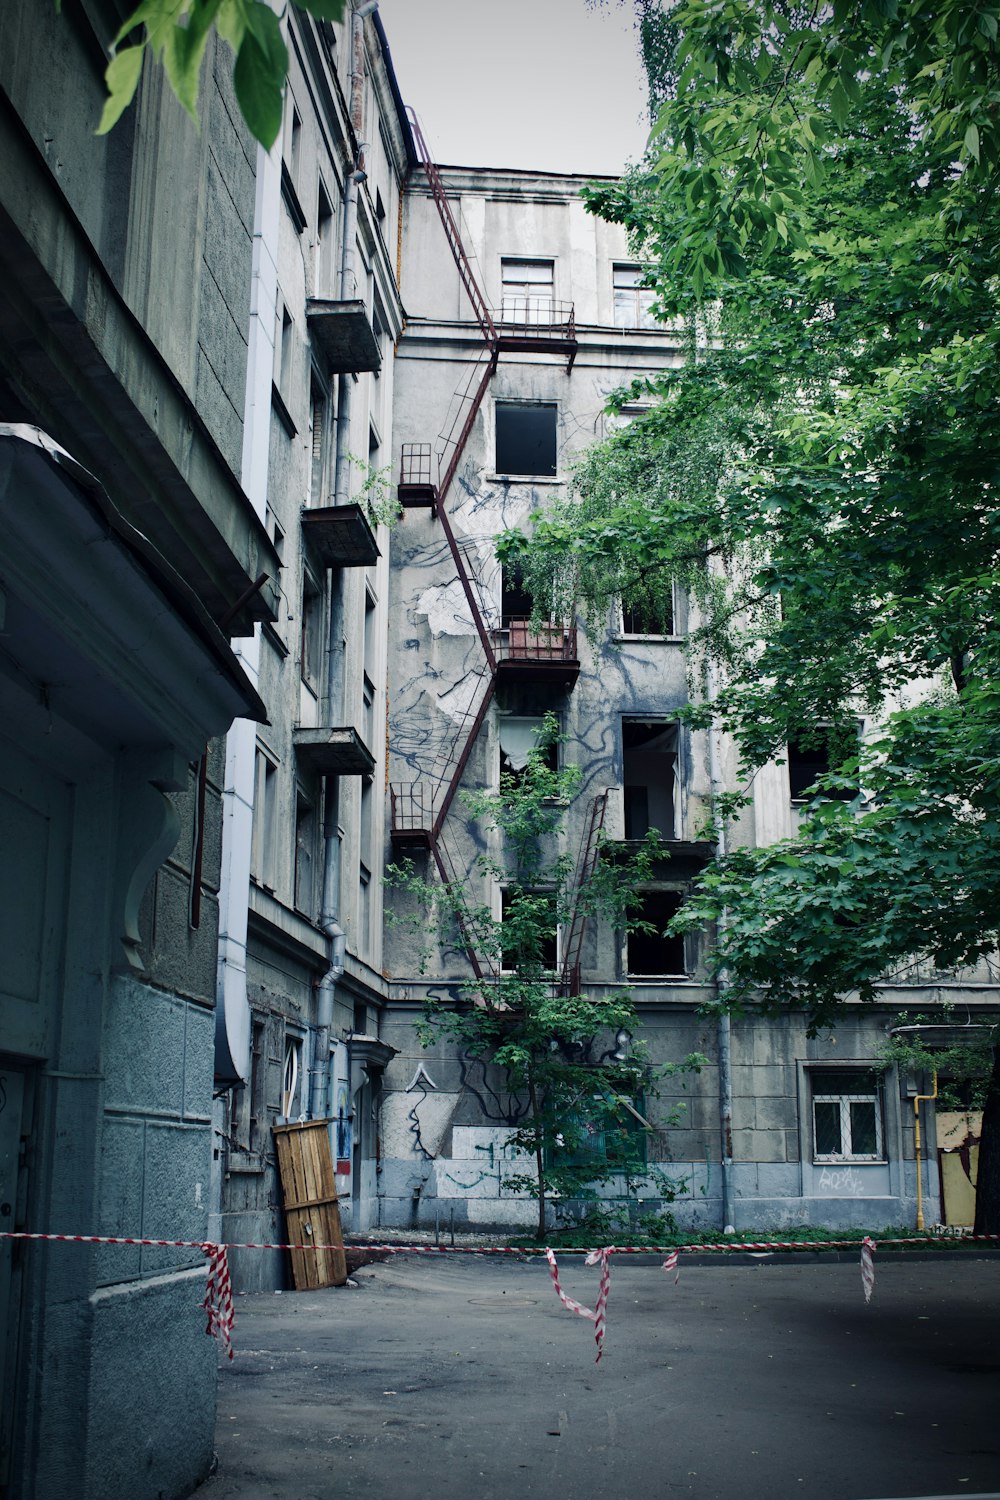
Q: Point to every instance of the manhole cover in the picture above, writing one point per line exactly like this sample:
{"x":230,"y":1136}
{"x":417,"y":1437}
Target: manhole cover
{"x":503,"y":1301}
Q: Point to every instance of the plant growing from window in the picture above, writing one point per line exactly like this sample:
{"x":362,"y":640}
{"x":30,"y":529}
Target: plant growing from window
{"x":568,"y":1060}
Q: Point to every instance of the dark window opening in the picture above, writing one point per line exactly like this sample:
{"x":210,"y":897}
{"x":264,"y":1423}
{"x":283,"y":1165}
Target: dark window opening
{"x":526,"y":439}
{"x":649,"y":765}
{"x":808,"y":759}
{"x":653,"y":952}
{"x":649,"y":614}
{"x":529,"y":929}
{"x":516,"y":602}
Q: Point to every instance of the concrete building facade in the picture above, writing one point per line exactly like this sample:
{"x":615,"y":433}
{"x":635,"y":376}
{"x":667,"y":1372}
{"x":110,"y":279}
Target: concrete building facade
{"x":129,"y":557}
{"x":301,"y":985}
{"x":819,"y":1133}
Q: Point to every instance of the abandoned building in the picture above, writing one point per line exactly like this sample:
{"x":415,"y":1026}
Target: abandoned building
{"x":234,"y":693}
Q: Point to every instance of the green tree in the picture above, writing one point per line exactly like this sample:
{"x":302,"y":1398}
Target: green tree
{"x":819,"y":213}
{"x":176,"y":33}
{"x":564,"y":1056}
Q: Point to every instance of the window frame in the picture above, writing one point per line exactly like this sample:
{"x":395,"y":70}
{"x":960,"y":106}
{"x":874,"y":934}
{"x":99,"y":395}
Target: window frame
{"x":657,"y":975}
{"x":872,"y":1094}
{"x":506,"y":405}
{"x":638,"y":315}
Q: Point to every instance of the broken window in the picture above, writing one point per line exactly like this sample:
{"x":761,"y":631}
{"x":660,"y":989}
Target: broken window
{"x":529,"y":937}
{"x":649,"y":767}
{"x":526,"y":438}
{"x":653,"y":951}
{"x":847,"y":1115}
{"x":633,"y":302}
{"x":519,"y":735}
{"x":526,"y":290}
{"x":604,"y":1131}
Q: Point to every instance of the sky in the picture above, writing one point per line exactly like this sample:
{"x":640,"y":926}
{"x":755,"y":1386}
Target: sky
{"x":551,"y":84}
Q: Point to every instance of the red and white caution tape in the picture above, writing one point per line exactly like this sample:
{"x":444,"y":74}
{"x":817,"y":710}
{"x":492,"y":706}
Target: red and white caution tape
{"x":672,"y":1263}
{"x":218,"y":1303}
{"x":868,"y":1266}
{"x":597,"y":1315}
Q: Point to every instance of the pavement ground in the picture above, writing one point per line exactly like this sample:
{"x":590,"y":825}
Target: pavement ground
{"x":453,"y":1377}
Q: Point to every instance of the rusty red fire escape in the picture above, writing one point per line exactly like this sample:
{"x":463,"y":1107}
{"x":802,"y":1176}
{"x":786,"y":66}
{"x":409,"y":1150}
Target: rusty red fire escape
{"x":518,"y":651}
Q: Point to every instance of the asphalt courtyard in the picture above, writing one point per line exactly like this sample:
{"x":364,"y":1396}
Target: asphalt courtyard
{"x":453,"y":1377}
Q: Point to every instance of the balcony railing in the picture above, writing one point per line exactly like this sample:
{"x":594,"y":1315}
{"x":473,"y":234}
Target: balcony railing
{"x":413,"y":805}
{"x":539,"y":652}
{"x":534,"y":318}
{"x":417,"y":475}
{"x":538,"y":325}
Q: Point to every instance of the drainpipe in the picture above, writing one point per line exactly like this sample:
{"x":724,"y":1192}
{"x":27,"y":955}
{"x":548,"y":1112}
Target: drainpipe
{"x":348,"y":280}
{"x":724,"y":1028}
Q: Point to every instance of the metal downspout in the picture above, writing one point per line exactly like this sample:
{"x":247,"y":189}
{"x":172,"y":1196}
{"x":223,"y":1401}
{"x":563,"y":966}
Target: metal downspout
{"x":724,"y":1027}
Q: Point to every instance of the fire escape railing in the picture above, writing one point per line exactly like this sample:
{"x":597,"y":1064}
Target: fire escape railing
{"x":419,"y":809}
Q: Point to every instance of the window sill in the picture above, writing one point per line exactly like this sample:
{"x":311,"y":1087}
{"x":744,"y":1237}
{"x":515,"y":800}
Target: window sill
{"x":648,"y":640}
{"x":281,"y":411}
{"x":850,"y":1161}
{"x":525,"y":479}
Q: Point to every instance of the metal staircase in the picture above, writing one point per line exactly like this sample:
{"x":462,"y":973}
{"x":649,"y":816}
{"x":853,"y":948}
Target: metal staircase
{"x":419,"y":809}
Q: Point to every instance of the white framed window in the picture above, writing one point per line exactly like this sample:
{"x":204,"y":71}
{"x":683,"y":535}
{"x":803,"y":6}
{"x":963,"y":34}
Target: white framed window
{"x":649,"y":613}
{"x":633,"y":302}
{"x":292,"y":1080}
{"x":846,"y":1115}
{"x":262,"y":849}
{"x":526,"y":290}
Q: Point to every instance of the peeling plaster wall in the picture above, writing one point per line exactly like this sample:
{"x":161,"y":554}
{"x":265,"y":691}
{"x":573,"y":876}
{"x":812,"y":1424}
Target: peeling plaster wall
{"x":445,"y":1118}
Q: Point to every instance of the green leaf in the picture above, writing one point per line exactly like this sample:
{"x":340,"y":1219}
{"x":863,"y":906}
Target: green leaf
{"x":184,"y":50}
{"x":972,"y":140}
{"x":323,"y":10}
{"x":122,"y":79}
{"x":259,"y":74}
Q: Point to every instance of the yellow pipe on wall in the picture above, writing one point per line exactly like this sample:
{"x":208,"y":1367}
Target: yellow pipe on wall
{"x":918,"y":1100}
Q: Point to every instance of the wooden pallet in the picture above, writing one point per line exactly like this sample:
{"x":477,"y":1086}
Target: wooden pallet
{"x":312,"y":1211}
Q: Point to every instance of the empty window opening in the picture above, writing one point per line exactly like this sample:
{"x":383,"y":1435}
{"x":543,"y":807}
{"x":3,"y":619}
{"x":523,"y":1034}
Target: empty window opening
{"x":311,"y":640}
{"x":649,"y":612}
{"x":516,"y":602}
{"x":652,"y":951}
{"x":808,"y":759}
{"x":526,"y":290}
{"x":305,"y":854}
{"x":847,"y":1115}
{"x":264,"y":818}
{"x":526,"y":439}
{"x":649,"y":775}
{"x":529,"y":937}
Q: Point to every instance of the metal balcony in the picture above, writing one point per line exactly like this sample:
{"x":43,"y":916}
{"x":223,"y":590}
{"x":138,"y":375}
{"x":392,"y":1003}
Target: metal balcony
{"x":542,"y":653}
{"x":416,"y":486}
{"x":412,"y":809}
{"x":537,"y":325}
